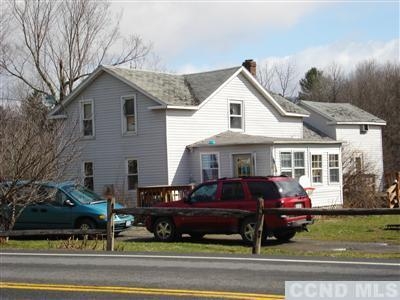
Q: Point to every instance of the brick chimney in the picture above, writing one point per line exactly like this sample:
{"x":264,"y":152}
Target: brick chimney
{"x":251,"y":66}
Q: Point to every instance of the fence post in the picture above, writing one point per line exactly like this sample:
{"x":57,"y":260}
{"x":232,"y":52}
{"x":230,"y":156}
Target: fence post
{"x":258,"y":230}
{"x":398,"y":187}
{"x":109,"y":194}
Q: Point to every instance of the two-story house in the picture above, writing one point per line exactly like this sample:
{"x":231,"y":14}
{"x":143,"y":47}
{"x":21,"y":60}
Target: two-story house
{"x":141,"y":128}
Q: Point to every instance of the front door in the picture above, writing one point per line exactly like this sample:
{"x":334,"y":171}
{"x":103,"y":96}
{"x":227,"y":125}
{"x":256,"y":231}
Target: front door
{"x":242,"y":165}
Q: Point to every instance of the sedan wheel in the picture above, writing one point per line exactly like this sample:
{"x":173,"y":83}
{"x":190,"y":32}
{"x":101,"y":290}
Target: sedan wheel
{"x":164,"y":230}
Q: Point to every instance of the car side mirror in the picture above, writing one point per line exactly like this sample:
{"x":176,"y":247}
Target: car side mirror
{"x":68,"y":203}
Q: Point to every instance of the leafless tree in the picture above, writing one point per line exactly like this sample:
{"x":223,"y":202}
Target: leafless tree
{"x":333,"y":83}
{"x":286,"y":75}
{"x":266,"y":75}
{"x":359,"y":180}
{"x":375,"y":88}
{"x":33,"y":149}
{"x":57,"y":43}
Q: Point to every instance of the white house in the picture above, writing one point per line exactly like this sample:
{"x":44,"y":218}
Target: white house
{"x":142,"y":128}
{"x":359,"y":131}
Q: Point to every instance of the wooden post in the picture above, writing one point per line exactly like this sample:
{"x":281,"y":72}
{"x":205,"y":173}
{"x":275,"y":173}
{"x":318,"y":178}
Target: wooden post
{"x":109,"y":194}
{"x":398,"y":188}
{"x":258,"y":230}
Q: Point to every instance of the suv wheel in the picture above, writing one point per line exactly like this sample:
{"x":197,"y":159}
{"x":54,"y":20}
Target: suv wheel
{"x":247,"y":231}
{"x":285,"y":236}
{"x":164,"y":230}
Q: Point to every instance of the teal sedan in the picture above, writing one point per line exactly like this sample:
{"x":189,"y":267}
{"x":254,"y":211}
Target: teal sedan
{"x":70,"y":206}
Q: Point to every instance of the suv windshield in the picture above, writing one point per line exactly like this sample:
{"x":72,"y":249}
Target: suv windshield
{"x":82,"y":194}
{"x":290,"y":188}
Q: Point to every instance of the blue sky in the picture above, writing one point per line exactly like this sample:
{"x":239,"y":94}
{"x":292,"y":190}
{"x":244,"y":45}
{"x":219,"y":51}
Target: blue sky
{"x":192,"y":36}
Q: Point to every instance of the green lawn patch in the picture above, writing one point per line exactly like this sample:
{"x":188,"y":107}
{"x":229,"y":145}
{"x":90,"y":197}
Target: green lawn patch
{"x":354,"y":229}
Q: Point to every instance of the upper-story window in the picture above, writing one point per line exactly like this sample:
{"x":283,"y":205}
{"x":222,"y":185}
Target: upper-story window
{"x":129,"y":120}
{"x":87,"y":118}
{"x":236,"y":115}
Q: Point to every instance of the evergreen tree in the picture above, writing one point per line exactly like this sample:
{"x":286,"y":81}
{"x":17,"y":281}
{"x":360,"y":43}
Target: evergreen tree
{"x":311,"y":85}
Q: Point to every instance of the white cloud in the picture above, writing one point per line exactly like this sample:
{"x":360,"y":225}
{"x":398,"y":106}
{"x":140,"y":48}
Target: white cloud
{"x":345,"y":54}
{"x":177,"y":26}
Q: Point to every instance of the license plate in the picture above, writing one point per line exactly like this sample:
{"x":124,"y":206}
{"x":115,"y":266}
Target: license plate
{"x":298,"y":205}
{"x":128,"y":223}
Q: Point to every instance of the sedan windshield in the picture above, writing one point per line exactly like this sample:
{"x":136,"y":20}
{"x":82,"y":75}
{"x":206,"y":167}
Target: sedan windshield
{"x":82,"y":194}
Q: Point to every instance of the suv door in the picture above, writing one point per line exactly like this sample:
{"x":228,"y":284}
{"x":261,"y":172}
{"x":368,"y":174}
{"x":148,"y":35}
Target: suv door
{"x":205,"y":196}
{"x":232,"y":197}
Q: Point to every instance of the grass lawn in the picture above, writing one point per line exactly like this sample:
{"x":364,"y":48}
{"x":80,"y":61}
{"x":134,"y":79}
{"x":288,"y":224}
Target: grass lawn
{"x":346,"y":229}
{"x":354,"y":229}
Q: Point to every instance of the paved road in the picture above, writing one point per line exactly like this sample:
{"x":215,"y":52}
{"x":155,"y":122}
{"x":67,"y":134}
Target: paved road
{"x":234,"y":274}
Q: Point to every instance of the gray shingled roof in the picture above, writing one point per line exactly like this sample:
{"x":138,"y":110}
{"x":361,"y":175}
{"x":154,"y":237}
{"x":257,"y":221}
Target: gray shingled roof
{"x":287,"y":105}
{"x":341,"y":112}
{"x":190,"y":89}
{"x":231,"y":138}
{"x":312,"y":134}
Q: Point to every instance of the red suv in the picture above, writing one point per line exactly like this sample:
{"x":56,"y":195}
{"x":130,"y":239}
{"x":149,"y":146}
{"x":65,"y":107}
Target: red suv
{"x":236,"y":193}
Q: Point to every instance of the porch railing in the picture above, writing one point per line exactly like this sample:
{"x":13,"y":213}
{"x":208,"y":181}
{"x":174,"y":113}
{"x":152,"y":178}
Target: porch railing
{"x":150,"y":195}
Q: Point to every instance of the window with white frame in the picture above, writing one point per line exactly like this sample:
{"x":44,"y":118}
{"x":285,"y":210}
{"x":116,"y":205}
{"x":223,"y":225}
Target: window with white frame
{"x":333,"y":167}
{"x":129,"y":120}
{"x":292,"y":164}
{"x":132,"y":174}
{"x":88,"y":175}
{"x":236,"y":115}
{"x":286,"y":163}
{"x":316,"y":168}
{"x":299,"y":165}
{"x":87,"y":118}
{"x":209,"y":166}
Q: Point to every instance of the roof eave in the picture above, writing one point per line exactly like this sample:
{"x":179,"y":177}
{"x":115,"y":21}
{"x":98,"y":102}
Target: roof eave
{"x":131,"y":84}
{"x":356,"y":123}
{"x":178,"y":107}
{"x":267,"y":95}
{"x":79,"y":88}
{"x":306,"y":142}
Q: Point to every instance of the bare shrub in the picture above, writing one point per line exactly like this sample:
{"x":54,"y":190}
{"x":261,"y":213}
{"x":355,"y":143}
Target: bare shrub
{"x":33,"y":149}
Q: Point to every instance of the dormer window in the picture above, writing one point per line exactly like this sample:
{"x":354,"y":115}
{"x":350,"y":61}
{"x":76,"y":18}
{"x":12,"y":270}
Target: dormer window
{"x":236,"y":115}
{"x":364,"y":128}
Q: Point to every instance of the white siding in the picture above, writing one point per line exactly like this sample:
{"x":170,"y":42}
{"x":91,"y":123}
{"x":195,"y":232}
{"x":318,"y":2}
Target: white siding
{"x":370,"y":144}
{"x":325,"y":193}
{"x":187,"y":127}
{"x":109,"y":149}
{"x":260,"y":153}
{"x":319,"y":122}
